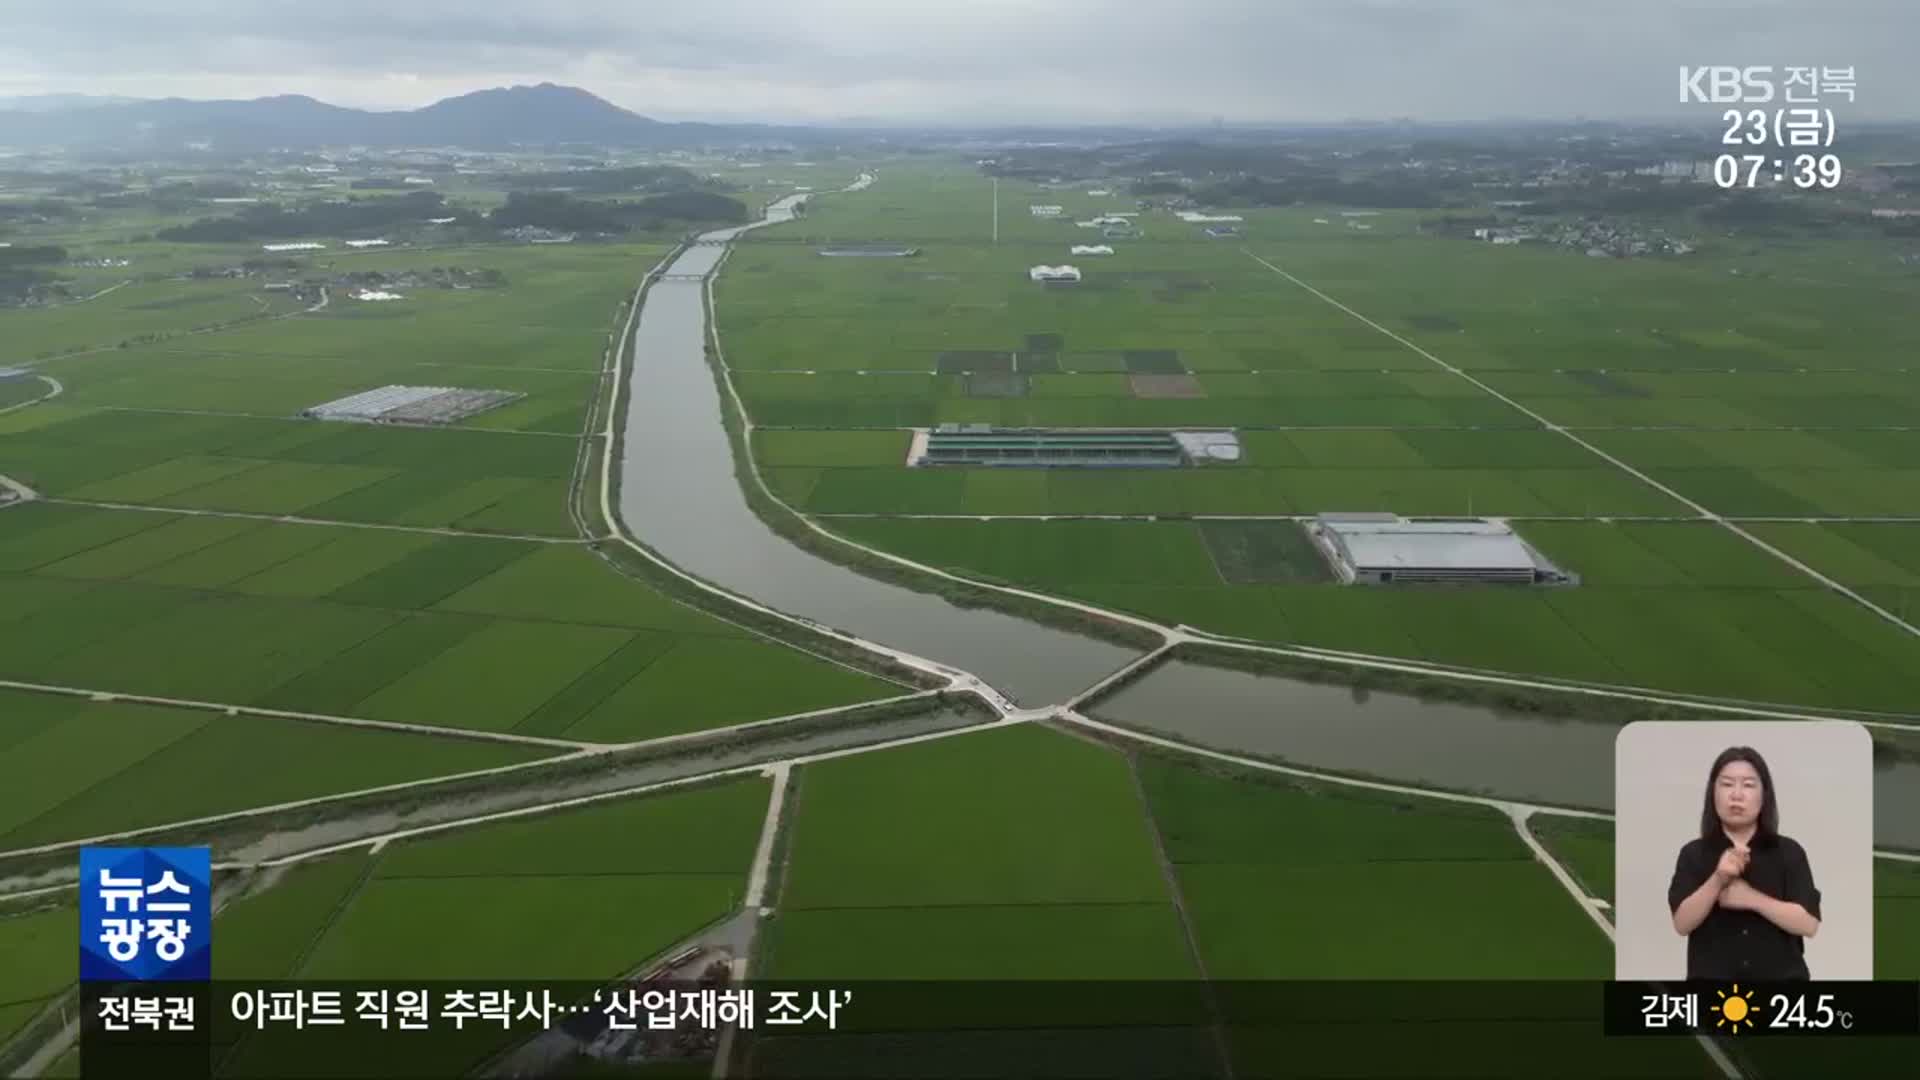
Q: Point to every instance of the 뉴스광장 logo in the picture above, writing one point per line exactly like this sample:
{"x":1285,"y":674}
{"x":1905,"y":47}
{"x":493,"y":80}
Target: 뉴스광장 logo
{"x":146,"y":913}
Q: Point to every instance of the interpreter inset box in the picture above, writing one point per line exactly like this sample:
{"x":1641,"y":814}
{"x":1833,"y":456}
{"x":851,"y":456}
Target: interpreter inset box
{"x":1743,"y":850}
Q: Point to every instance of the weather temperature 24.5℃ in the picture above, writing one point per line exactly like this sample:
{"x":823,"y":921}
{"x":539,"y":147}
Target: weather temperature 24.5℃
{"x":1804,"y":1008}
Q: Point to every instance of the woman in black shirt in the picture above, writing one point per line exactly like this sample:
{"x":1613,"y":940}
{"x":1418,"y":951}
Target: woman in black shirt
{"x":1742,"y":893}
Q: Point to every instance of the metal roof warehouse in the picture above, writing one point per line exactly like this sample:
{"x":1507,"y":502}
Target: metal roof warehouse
{"x":1381,"y":549}
{"x":1032,"y":447}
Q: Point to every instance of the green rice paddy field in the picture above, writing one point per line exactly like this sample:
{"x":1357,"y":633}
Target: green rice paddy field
{"x":73,"y":768}
{"x":155,"y":564}
{"x":135,"y":312}
{"x":1680,"y":606}
{"x":610,"y":883}
{"x":971,"y":873}
{"x":1024,"y":838}
{"x":1758,"y":396}
{"x":1030,"y":854}
{"x":585,"y":893}
{"x":452,"y":631}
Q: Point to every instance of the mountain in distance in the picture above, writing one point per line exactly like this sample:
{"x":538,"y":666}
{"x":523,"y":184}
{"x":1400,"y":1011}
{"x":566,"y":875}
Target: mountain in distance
{"x":51,"y":102}
{"x":520,"y":115}
{"x":546,"y":112}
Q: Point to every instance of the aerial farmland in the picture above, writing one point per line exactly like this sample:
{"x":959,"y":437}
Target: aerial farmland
{"x":767,"y":564}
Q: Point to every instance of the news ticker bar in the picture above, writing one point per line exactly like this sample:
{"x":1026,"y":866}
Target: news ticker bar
{"x":417,"y":1029}
{"x":227,"y":1010}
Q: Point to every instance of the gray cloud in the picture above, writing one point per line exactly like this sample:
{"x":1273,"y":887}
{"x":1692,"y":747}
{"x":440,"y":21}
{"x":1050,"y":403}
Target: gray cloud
{"x":1004,"y":60}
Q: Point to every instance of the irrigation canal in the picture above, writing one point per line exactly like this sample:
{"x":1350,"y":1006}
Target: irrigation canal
{"x":679,"y":495}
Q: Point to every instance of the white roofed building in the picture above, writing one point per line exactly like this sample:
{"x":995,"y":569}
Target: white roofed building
{"x":1387,"y":549}
{"x":1054,"y":273}
{"x":1090,"y":249}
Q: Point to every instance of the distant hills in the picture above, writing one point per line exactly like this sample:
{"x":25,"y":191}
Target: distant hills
{"x":543,"y":115}
{"x":50,"y":102}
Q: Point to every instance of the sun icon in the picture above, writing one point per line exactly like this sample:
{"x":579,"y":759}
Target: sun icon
{"x":1734,"y":1009}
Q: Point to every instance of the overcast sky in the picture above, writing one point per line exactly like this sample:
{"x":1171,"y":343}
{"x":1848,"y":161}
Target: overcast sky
{"x":968,"y":61}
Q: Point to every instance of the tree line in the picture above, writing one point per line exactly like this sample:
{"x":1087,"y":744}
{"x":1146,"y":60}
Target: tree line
{"x":555,"y":210}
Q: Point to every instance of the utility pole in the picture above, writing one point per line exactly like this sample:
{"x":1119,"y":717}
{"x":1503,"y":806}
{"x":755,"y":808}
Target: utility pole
{"x":996,"y":210}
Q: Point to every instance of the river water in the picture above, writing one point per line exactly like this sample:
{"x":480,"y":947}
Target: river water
{"x":678,"y":495}
{"x":1396,"y":737}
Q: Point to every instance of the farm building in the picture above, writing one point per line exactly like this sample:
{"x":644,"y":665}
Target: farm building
{"x":411,"y":405}
{"x":1031,"y":447}
{"x":984,"y":444}
{"x":1222,"y":230}
{"x":366,"y":243}
{"x":1090,"y":249}
{"x":307,"y":245}
{"x":1385,"y":549}
{"x":1054,"y":274}
{"x":1044,"y":211}
{"x":1195,"y":217}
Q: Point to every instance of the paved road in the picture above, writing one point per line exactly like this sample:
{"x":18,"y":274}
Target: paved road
{"x":296,"y":519}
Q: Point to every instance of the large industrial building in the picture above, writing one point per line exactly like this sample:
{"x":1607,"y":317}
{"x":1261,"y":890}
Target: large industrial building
{"x":984,"y":445}
{"x":411,"y":405}
{"x":1387,"y":549}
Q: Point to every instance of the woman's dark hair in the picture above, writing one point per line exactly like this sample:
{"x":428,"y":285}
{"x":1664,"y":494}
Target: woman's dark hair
{"x":1769,"y":823}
